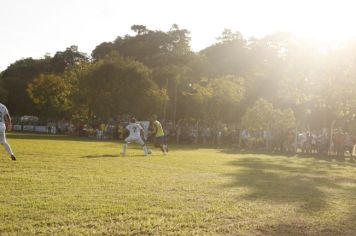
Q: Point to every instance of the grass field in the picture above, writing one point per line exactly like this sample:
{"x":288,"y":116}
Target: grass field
{"x":70,"y":186}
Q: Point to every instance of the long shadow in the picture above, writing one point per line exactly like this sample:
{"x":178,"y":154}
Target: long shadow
{"x":39,"y":136}
{"x":33,"y":136}
{"x":188,"y":147}
{"x":242,"y":151}
{"x":348,"y":160}
{"x":352,"y":218}
{"x":99,"y":156}
{"x":281,"y":182}
{"x":341,"y":226}
{"x":283,"y":229}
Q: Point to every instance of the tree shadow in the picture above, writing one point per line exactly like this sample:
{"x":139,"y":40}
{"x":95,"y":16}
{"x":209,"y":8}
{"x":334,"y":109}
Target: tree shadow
{"x":282,"y":180}
{"x":298,"y":228}
{"x":340,"y":226}
{"x":255,"y":152}
{"x":348,"y":160}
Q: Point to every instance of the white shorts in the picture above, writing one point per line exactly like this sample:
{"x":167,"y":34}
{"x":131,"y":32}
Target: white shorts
{"x":2,"y":137}
{"x":135,"y":139}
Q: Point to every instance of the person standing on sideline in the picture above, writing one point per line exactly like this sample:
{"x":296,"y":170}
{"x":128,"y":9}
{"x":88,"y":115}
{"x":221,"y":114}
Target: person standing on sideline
{"x":136,"y":133}
{"x":158,"y":133}
{"x":5,"y":125}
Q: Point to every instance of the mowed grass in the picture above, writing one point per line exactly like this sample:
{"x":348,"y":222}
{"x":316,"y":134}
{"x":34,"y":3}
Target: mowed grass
{"x":70,"y":186}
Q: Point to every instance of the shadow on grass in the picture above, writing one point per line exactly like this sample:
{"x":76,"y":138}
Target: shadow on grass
{"x":341,"y":226}
{"x":289,"y":180}
{"x":39,"y":136}
{"x":99,"y":156}
{"x":33,"y":136}
{"x":299,"y":155}
{"x":284,"y":229}
{"x":241,"y":151}
{"x":110,"y":155}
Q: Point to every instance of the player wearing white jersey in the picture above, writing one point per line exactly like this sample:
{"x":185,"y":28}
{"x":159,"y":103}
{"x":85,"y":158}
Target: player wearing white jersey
{"x":5,"y":125}
{"x":136,"y":133}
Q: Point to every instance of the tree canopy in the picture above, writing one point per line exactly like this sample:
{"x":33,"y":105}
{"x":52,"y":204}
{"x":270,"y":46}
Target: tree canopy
{"x":236,"y":79}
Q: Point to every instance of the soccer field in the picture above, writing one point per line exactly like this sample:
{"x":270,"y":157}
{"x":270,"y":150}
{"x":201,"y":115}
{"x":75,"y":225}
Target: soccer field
{"x":69,"y":186}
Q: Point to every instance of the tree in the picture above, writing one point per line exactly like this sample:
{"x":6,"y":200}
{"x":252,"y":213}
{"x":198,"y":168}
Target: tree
{"x":227,"y":36}
{"x":195,"y":101}
{"x":263,"y":116}
{"x":228,"y":92}
{"x":229,"y":55}
{"x":102,"y":50}
{"x":139,"y":29}
{"x":116,"y":86}
{"x":70,"y":57}
{"x":75,"y":75}
{"x":20,"y":74}
{"x":3,"y":92}
{"x":153,"y":48}
{"x":259,"y":116}
{"x":15,"y":80}
{"x":51,"y":95}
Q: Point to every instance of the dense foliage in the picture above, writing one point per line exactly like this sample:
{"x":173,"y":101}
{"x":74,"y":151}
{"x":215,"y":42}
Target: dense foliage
{"x":157,"y":72}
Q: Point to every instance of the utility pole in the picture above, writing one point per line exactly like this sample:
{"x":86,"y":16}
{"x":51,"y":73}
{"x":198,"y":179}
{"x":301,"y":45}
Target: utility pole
{"x":175,"y":103}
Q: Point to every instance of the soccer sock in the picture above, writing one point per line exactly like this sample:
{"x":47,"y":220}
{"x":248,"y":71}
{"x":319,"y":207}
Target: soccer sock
{"x":145,"y":150}
{"x":8,"y":148}
{"x":162,"y":149}
{"x":124,"y":149}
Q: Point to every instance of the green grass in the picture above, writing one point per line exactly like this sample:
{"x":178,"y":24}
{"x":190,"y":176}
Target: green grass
{"x":72,"y":186}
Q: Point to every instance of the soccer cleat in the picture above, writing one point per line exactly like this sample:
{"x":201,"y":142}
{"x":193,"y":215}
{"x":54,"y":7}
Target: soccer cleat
{"x":13,"y":158}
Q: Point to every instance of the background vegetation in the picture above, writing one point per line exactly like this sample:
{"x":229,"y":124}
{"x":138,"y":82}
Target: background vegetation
{"x":157,"y":72}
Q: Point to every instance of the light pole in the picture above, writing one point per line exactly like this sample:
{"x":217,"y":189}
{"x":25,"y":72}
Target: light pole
{"x":165,"y":102}
{"x":175,"y":103}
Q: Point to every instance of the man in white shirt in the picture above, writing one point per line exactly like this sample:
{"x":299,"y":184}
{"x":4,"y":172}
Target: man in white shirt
{"x":136,"y":133}
{"x":5,"y":125}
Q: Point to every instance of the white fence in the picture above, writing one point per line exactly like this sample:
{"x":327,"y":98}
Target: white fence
{"x":31,"y":128}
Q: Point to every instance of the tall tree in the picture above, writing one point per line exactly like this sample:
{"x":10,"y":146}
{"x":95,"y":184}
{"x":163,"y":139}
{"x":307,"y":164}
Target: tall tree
{"x":15,"y":80}
{"x":153,"y":48}
{"x":116,"y":86}
{"x":70,"y":57}
{"x":228,"y":55}
{"x":51,"y":95}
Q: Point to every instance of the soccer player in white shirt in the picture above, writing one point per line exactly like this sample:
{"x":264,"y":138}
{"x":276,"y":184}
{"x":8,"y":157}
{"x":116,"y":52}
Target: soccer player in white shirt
{"x":136,"y":133}
{"x":5,"y":125}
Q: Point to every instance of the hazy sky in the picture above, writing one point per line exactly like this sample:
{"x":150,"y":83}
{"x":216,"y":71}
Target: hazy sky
{"x":32,"y":28}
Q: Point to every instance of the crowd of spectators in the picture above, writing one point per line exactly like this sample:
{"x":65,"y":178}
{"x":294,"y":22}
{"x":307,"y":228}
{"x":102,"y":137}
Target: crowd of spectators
{"x":187,"y":131}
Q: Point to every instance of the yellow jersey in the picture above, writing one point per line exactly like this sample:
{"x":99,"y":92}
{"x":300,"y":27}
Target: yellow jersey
{"x":158,"y":129}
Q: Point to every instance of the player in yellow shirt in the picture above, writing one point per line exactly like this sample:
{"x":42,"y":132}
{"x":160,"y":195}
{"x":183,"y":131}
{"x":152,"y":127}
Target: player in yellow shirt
{"x":158,"y":133}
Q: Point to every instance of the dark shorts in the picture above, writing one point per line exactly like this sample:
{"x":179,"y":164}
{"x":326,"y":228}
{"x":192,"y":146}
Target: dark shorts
{"x":159,"y":140}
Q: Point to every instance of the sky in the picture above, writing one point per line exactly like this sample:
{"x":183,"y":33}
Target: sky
{"x":33,"y":28}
